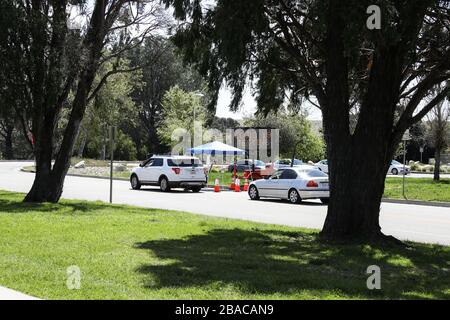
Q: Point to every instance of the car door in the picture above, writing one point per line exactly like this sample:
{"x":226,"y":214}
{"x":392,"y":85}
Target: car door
{"x":271,"y":185}
{"x":146,"y":173}
{"x":286,"y":181}
{"x":152,"y":170}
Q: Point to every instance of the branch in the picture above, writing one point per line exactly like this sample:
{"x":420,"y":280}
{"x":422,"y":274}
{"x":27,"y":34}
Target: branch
{"x":105,"y":79}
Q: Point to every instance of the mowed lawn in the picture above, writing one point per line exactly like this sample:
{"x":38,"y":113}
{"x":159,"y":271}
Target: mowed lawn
{"x":418,"y":189}
{"x":126,"y":252}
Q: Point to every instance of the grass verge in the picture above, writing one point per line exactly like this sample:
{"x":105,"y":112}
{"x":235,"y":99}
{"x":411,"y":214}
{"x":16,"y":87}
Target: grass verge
{"x":424,"y":189}
{"x":126,"y":252}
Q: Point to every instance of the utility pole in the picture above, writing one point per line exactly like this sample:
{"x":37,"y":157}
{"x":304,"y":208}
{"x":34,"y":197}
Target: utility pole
{"x":112,"y":136}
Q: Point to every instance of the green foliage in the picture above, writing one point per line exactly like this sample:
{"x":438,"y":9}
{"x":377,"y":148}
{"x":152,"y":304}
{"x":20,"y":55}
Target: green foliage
{"x":162,"y":70}
{"x":179,"y":109}
{"x":112,"y":106}
{"x":295,"y":132}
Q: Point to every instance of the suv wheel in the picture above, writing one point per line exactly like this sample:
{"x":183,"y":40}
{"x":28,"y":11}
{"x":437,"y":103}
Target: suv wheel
{"x":164,"y":184}
{"x":135,"y":184}
{"x":196,"y":189}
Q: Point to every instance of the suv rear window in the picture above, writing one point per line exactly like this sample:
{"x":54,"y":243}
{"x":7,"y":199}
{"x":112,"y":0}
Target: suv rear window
{"x":184,"y":162}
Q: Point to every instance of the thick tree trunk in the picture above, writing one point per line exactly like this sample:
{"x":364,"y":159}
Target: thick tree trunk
{"x":437,"y":164}
{"x":43,"y":189}
{"x":358,"y":159}
{"x":357,"y":179}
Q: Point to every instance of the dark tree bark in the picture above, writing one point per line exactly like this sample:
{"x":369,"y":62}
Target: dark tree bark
{"x":437,"y":164}
{"x":359,"y":160}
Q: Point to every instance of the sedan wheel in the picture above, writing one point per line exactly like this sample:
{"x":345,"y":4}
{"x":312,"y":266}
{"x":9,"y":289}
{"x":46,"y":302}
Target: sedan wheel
{"x":253,"y":193}
{"x":394,"y":171}
{"x":294,"y":197}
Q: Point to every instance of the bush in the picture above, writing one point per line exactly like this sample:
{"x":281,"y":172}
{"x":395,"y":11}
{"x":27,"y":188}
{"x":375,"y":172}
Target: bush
{"x":125,"y":148}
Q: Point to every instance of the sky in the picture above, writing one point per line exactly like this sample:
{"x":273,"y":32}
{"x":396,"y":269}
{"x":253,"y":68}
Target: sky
{"x":249,"y":106}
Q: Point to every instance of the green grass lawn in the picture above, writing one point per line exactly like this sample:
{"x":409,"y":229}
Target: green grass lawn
{"x":418,"y":189}
{"x":126,"y":252}
{"x":224,"y":178}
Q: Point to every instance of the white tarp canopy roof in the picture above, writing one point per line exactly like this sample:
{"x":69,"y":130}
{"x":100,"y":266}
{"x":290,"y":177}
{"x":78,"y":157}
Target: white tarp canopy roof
{"x":216,"y":147}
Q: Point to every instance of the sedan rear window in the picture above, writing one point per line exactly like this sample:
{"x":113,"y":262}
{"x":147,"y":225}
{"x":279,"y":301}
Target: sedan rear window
{"x":315,"y":173}
{"x":184,"y":162}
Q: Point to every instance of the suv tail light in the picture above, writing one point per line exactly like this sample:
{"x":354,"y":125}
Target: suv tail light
{"x":176,"y":170}
{"x":312,"y":184}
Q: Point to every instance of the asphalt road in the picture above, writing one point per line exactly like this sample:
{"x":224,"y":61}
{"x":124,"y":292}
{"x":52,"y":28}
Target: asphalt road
{"x":407,"y":222}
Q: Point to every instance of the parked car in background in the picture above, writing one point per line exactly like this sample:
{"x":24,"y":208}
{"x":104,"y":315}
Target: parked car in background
{"x":247,"y":164}
{"x":397,"y":168}
{"x":322,"y":165}
{"x":294,"y":184}
{"x":170,"y":172}
{"x":284,"y":163}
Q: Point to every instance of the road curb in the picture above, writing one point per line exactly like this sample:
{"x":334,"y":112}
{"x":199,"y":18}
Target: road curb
{"x":418,"y":202}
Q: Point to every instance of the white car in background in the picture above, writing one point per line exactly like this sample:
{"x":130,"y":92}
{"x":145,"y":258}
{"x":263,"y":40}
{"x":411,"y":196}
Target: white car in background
{"x":284,"y":163}
{"x":397,"y":168}
{"x":322,"y":165}
{"x":170,"y":172}
{"x":294,"y":184}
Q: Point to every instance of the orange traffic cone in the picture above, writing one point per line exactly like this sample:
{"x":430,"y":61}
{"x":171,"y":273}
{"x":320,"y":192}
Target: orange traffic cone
{"x":237,"y":186}
{"x":232,"y":185}
{"x":216,"y":186}
{"x":246,"y":185}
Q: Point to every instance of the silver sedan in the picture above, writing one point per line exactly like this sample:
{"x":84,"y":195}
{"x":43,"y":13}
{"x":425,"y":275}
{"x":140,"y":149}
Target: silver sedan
{"x":294,"y":184}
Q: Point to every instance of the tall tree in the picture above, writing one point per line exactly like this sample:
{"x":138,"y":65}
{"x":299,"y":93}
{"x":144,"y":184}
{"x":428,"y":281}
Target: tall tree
{"x":181,"y":110}
{"x":53,"y":60}
{"x":162,"y":70}
{"x":439,"y":133}
{"x":330,"y":50}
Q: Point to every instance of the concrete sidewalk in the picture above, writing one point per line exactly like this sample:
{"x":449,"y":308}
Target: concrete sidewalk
{"x":8,"y":294}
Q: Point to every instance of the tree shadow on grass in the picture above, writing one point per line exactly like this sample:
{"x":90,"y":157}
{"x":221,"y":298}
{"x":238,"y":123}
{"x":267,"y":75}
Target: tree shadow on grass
{"x":13,"y":203}
{"x":281,"y":263}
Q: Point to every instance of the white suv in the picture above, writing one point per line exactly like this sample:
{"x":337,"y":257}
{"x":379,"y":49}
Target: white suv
{"x":170,"y":172}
